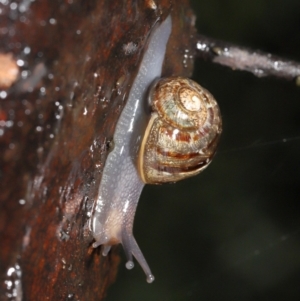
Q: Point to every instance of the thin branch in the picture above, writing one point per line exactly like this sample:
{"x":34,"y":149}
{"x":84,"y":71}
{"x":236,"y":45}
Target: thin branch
{"x":241,"y":58}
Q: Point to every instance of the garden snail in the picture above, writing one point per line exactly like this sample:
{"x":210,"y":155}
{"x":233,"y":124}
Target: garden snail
{"x":149,"y":147}
{"x":182,"y":133}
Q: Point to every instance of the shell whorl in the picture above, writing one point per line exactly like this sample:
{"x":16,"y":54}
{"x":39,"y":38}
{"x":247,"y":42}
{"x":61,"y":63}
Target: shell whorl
{"x":182,"y":133}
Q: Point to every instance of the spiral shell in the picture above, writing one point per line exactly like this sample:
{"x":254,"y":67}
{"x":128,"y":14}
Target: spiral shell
{"x":182,"y":133}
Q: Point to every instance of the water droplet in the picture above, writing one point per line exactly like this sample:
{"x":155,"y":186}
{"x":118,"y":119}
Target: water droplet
{"x":20,"y":63}
{"x":3,"y":94}
{"x":259,"y":72}
{"x":27,"y":50}
{"x":24,"y":74}
{"x":9,"y":123}
{"x":52,"y":21}
{"x":10,"y":271}
{"x":8,"y":284}
{"x":13,"y":5}
{"x":201,"y":46}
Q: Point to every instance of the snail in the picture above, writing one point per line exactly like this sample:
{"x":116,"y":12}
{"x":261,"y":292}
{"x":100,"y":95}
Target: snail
{"x":166,"y":136}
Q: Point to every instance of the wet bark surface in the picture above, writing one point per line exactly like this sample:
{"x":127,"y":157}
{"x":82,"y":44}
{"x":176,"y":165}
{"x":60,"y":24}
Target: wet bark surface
{"x":65,"y":74}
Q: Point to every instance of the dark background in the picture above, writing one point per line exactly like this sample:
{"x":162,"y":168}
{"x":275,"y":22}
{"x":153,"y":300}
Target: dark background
{"x":232,"y":233}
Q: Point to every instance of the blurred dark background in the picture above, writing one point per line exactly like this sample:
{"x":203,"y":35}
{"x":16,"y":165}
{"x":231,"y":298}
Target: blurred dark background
{"x":233,"y":232}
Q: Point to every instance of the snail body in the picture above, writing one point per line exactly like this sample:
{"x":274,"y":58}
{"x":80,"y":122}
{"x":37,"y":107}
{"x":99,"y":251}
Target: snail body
{"x":149,"y":148}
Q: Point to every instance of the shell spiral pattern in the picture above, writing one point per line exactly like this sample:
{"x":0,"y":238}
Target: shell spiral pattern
{"x":182,"y":133}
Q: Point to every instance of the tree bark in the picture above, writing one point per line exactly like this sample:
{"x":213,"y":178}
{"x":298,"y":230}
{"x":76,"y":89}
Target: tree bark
{"x":66,"y":71}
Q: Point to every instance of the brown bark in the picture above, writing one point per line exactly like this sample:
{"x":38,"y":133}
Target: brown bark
{"x":75,"y":68}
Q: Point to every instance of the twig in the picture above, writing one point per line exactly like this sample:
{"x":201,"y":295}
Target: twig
{"x":241,"y":58}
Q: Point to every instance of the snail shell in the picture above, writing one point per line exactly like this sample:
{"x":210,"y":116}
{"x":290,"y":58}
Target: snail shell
{"x":182,"y":133}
